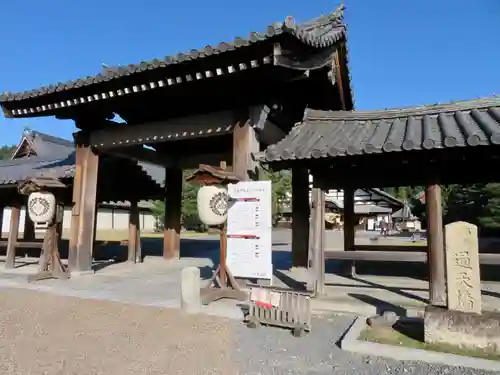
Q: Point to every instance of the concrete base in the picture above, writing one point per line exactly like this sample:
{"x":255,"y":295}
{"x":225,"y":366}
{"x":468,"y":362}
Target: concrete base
{"x":351,"y":343}
{"x":465,"y":330}
{"x":81,"y":273}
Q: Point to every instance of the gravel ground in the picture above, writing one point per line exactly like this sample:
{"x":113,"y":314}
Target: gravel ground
{"x":42,"y":333}
{"x":272,"y":351}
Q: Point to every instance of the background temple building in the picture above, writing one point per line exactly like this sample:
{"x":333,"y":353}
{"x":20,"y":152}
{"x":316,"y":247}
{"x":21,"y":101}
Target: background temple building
{"x":41,"y":154}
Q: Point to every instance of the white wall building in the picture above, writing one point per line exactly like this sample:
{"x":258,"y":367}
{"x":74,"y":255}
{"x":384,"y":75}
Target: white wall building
{"x":37,"y":151}
{"x":108,"y":218}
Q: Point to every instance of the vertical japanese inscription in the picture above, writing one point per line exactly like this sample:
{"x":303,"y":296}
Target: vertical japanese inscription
{"x":462,"y":263}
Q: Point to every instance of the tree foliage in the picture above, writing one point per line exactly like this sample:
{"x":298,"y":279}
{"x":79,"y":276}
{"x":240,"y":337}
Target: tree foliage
{"x":478,"y":204}
{"x":189,"y":210}
{"x":6,"y":152}
{"x":281,"y":190}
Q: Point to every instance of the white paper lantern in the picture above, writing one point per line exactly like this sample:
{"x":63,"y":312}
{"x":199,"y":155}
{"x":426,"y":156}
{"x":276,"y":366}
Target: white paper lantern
{"x":212,"y":202}
{"x":41,"y":207}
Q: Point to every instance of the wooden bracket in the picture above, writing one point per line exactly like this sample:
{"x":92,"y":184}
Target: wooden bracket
{"x":222,"y":284}
{"x":50,"y":265}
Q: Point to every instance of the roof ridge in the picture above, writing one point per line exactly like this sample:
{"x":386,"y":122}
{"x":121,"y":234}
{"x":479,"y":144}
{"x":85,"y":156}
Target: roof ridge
{"x":463,"y":105}
{"x":52,"y":138}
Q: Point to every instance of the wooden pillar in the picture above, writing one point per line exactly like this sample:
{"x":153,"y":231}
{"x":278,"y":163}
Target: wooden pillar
{"x":173,"y":213}
{"x":1,"y":221}
{"x":316,"y":263}
{"x":138,"y":249}
{"x":435,"y":245}
{"x":300,"y":216}
{"x":349,"y":227}
{"x":245,"y":143}
{"x":75,"y":212}
{"x":86,"y":209}
{"x":29,"y":227}
{"x":133,"y":227}
{"x":15,"y":214}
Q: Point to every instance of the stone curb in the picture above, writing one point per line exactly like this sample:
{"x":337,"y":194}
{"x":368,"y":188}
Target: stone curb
{"x":351,"y":343}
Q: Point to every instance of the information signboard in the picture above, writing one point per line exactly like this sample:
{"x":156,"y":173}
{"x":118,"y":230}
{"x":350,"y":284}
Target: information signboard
{"x":249,"y":230}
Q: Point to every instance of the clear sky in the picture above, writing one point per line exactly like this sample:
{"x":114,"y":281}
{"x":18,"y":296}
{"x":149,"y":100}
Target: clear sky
{"x":402,"y":52}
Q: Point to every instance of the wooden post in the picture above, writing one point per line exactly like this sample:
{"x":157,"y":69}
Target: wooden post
{"x":29,"y":227}
{"x":300,"y":216}
{"x":349,"y":226}
{"x":1,"y":221}
{"x":435,"y":245}
{"x":317,"y":242}
{"x":133,"y":227}
{"x":173,"y":206}
{"x":245,"y":143}
{"x":87,"y":212}
{"x":75,"y":212}
{"x":138,"y":250}
{"x":15,"y":214}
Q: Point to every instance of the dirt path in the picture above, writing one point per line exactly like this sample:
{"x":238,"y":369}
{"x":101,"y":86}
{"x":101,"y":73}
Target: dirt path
{"x":42,"y":333}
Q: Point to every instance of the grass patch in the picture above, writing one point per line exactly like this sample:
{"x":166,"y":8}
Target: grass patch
{"x":410,"y":334}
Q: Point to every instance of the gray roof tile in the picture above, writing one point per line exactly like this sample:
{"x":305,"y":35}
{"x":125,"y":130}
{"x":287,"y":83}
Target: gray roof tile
{"x":319,"y":33}
{"x":324,"y":134}
{"x":14,"y":171}
{"x":54,"y":157}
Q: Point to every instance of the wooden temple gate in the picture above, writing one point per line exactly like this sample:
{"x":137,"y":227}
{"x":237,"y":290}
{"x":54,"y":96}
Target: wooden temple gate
{"x":219,"y":103}
{"x":431,"y":145}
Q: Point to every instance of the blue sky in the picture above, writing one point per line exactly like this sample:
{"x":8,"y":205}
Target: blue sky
{"x":402,"y":52}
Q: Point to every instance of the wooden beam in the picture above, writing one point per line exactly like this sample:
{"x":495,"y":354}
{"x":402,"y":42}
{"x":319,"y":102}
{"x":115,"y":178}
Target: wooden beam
{"x":138,"y":153}
{"x":339,"y":80}
{"x":397,"y":256}
{"x":300,"y":217}
{"x":267,"y":132}
{"x":173,"y":205}
{"x":245,"y":144}
{"x":15,"y":214}
{"x":176,"y":129}
{"x":133,"y":227}
{"x":435,"y":243}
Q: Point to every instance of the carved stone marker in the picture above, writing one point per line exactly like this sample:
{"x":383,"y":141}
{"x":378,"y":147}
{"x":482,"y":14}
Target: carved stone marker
{"x":462,"y":265}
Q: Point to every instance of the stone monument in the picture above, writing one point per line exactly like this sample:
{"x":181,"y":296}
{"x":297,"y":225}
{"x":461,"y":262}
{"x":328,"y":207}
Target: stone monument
{"x":462,"y":267}
{"x":463,"y":323}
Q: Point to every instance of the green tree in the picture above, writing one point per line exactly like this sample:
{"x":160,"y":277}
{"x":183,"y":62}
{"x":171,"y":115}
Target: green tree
{"x":6,"y":152}
{"x":281,"y":191}
{"x":189,"y":209}
{"x":490,"y":215}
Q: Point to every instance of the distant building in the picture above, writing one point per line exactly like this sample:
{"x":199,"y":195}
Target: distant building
{"x":37,"y":151}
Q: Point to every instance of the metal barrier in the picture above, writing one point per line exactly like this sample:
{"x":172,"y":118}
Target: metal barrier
{"x":279,"y":307}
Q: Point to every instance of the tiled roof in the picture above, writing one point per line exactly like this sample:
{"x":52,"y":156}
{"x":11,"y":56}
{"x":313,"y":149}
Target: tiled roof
{"x":320,"y":32}
{"x":324,"y":134}
{"x":47,"y":146}
{"x":55,"y":157}
{"x":360,"y":208}
{"x":14,"y":171}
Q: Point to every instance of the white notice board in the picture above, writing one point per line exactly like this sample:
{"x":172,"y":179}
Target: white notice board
{"x":249,"y":230}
